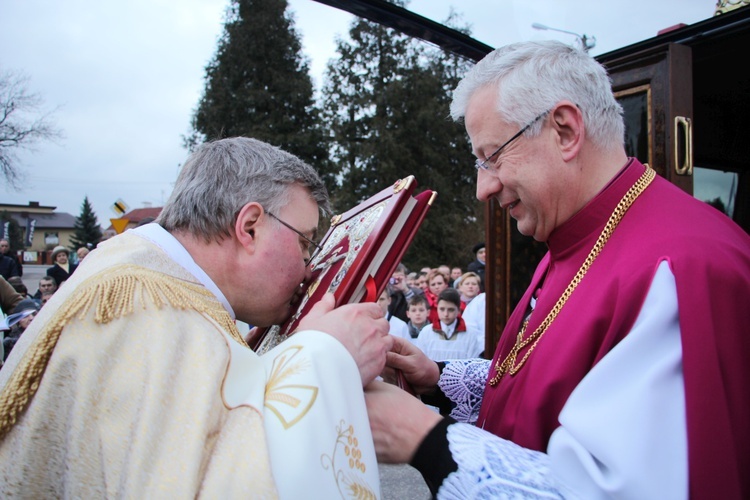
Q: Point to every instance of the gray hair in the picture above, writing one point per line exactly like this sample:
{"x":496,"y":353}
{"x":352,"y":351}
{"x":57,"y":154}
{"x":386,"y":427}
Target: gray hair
{"x":531,"y":77}
{"x":48,"y":278}
{"x":224,"y":175}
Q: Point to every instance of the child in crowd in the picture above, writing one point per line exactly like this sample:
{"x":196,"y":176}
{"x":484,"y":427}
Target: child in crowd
{"x":437,"y":281}
{"x":422,"y":280}
{"x":398,"y":326}
{"x":447,"y":338}
{"x":469,"y":285}
{"x":417,"y":313}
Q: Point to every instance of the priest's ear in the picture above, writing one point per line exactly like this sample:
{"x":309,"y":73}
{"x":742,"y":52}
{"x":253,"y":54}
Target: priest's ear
{"x":245,"y":227}
{"x":567,"y":122}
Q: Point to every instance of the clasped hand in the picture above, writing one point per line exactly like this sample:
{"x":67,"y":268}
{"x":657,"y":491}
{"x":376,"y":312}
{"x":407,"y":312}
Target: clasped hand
{"x":419,"y":371}
{"x":396,"y":440}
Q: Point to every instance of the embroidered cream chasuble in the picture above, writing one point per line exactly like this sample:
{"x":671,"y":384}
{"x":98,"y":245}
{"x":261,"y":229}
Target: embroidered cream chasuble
{"x":150,"y":392}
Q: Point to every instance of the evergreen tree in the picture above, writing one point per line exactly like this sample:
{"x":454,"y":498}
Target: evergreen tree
{"x":87,"y":229}
{"x":258,"y":85}
{"x":386,"y":101}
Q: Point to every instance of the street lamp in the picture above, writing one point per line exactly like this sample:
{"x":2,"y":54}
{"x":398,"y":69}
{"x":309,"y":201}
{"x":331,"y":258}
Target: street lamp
{"x":587,"y":43}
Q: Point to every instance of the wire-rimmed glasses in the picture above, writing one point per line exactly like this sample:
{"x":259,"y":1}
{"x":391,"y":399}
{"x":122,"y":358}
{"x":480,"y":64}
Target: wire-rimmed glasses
{"x":487,"y":162}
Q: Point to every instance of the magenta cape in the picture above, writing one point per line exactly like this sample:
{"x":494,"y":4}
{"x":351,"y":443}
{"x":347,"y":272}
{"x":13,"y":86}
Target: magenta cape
{"x":710,"y":258}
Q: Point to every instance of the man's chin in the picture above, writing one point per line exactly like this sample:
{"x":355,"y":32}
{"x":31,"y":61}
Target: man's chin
{"x":275,"y":316}
{"x":266,"y":322}
{"x":262,"y":322}
{"x":523,"y":227}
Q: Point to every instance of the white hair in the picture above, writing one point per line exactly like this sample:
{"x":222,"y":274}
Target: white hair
{"x":531,"y":77}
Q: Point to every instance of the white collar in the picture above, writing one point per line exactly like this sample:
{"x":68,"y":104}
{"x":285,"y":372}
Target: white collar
{"x":448,"y":329}
{"x":173,"y":248}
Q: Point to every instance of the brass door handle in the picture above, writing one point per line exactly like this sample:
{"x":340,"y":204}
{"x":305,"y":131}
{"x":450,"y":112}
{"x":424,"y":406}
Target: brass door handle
{"x":683,"y":130}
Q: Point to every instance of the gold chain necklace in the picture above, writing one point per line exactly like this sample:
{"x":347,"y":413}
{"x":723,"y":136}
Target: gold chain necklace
{"x":509,"y":364}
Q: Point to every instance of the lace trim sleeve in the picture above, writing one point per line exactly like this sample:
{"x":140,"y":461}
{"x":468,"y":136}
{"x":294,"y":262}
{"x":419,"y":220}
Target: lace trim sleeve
{"x":491,"y":467}
{"x":463,"y":382}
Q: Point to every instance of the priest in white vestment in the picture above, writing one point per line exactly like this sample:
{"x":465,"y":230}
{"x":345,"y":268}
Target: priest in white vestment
{"x":134,"y":380}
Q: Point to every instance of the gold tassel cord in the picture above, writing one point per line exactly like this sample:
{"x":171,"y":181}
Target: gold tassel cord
{"x":113,"y":294}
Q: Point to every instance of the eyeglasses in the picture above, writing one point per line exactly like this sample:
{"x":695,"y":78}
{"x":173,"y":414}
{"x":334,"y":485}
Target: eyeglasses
{"x":312,"y":249}
{"x":486,"y":163}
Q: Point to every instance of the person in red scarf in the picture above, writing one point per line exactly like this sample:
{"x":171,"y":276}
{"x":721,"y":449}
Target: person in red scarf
{"x":622,"y":372}
{"x":437,"y":281}
{"x":446,"y":337}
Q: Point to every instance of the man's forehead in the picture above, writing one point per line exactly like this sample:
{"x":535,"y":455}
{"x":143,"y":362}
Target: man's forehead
{"x":301,"y":208}
{"x":482,"y":119}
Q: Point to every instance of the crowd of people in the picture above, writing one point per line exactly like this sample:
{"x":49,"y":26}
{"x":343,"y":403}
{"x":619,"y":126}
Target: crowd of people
{"x":19,"y":307}
{"x":431,"y":309}
{"x":621,"y":373}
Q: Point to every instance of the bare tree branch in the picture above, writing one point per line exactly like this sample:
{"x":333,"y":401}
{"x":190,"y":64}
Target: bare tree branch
{"x":21,"y":126}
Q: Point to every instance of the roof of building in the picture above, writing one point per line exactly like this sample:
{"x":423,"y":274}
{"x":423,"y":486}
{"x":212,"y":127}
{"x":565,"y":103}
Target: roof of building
{"x":55,"y":220}
{"x":33,"y":206}
{"x":139,"y":214}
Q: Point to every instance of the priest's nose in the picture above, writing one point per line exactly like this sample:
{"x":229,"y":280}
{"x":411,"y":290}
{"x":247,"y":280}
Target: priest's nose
{"x":488,"y":185}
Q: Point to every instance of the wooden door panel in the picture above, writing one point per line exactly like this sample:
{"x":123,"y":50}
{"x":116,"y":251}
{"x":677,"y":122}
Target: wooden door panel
{"x":655,"y":87}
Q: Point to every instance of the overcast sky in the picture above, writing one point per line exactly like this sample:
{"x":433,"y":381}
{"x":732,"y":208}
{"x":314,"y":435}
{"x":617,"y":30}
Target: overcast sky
{"x":125,"y":77}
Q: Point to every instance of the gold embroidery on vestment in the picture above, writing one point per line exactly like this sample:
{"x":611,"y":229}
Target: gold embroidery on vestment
{"x":296,"y":398}
{"x":350,"y":484}
{"x":112,"y":294}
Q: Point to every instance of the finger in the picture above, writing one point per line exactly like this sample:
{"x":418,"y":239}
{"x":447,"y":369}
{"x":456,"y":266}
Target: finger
{"x":373,"y":310}
{"x":397,"y":361}
{"x":367,"y":309}
{"x":328,"y":300}
{"x":383,"y":325}
{"x":322,"y":307}
{"x":389,"y":340}
{"x":401,"y":345}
